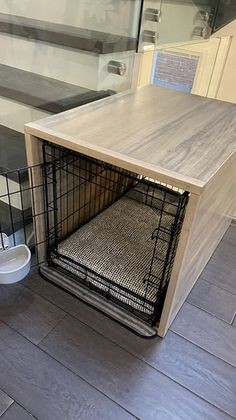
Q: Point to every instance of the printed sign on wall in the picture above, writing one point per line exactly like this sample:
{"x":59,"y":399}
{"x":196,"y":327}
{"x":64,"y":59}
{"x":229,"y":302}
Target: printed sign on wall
{"x":174,"y":70}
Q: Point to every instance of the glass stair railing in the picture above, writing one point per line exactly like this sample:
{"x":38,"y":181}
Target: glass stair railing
{"x":58,"y":55}
{"x":67,"y":36}
{"x":185,"y":20}
{"x":55,"y":56}
{"x":42,"y":92}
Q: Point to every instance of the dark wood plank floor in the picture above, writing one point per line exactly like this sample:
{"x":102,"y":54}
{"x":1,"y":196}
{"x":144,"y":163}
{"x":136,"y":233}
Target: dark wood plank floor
{"x":5,"y":402}
{"x":16,"y":412}
{"x":61,"y":359}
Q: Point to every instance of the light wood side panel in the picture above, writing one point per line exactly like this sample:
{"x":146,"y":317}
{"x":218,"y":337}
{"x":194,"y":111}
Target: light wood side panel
{"x":208,"y":219}
{"x":180,"y":253}
{"x":35,"y":157}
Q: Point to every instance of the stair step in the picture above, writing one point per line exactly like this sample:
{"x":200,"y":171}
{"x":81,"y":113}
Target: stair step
{"x":15,"y":115}
{"x":64,"y":35}
{"x":44,"y":92}
{"x":12,"y":150}
{"x":71,"y":66}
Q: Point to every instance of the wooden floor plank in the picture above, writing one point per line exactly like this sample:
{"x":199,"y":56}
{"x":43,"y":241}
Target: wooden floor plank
{"x":206,"y":331}
{"x":221,"y":269}
{"x":214,"y":300}
{"x":5,"y":402}
{"x":61,"y":298}
{"x":16,"y":412}
{"x":192,"y":367}
{"x":133,"y":384}
{"x":44,"y":387}
{"x":28,"y":313}
{"x":230,"y":235}
{"x":197,"y":370}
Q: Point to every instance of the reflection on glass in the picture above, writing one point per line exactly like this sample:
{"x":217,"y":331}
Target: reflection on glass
{"x":184,"y":20}
{"x":226,"y":13}
{"x":59,"y":54}
{"x":56,"y":55}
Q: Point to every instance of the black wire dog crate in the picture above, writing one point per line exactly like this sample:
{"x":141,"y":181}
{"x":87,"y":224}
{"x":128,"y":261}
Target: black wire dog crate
{"x":111,"y":233}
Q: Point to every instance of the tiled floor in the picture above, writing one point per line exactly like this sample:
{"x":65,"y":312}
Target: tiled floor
{"x":60,"y":359}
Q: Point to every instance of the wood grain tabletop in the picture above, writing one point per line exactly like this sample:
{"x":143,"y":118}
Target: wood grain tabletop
{"x":181,"y":138}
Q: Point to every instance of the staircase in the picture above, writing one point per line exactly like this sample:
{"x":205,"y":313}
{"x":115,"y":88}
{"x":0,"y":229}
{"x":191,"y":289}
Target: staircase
{"x":55,"y":56}
{"x":65,"y":35}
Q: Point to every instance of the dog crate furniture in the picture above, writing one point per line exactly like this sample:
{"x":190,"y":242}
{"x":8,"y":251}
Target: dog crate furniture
{"x":139,"y":189}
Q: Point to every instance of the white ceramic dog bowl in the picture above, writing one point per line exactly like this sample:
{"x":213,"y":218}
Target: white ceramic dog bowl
{"x":4,"y":241}
{"x":14,"y":264}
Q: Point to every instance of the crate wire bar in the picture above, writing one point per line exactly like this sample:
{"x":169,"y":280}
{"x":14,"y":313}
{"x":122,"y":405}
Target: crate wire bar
{"x":19,"y":215}
{"x":112,"y":231}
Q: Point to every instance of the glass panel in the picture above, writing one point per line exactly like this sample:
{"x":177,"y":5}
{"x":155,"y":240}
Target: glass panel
{"x":59,"y":54}
{"x":115,"y":16}
{"x":185,"y":20}
{"x":56,"y":55}
{"x":187,"y":67}
{"x":226,"y":13}
{"x":149,"y":24}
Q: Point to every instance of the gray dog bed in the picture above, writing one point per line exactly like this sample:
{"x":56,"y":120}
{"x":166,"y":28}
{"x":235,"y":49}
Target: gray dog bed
{"x":117,"y":244}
